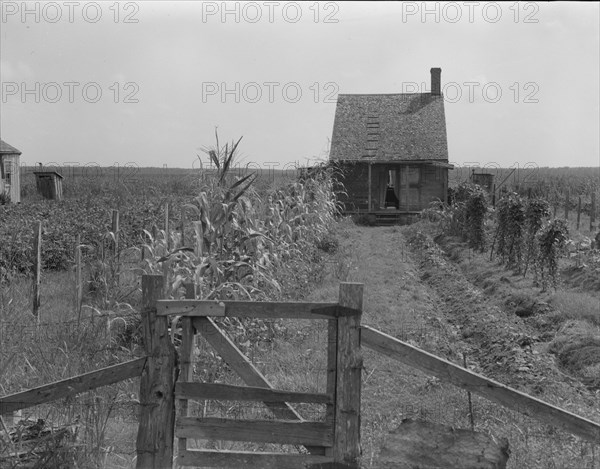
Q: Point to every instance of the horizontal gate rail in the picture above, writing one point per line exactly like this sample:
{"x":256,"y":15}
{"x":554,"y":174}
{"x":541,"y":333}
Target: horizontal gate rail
{"x":490,"y":389}
{"x":256,"y":431}
{"x":250,"y":459}
{"x":72,"y":386}
{"x":253,"y":309}
{"x":229,"y":392}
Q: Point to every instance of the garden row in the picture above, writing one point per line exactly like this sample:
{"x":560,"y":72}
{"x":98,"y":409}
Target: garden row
{"x":519,"y":231}
{"x":62,"y":222}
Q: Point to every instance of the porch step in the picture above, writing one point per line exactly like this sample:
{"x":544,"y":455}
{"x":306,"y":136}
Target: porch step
{"x":387,"y":219}
{"x":394,"y":218}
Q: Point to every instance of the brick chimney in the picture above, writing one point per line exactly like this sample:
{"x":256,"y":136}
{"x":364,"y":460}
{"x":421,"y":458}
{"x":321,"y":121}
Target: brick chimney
{"x":436,"y":81}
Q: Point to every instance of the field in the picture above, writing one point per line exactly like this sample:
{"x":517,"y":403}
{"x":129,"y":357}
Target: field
{"x":279,"y":239}
{"x":260,"y":241}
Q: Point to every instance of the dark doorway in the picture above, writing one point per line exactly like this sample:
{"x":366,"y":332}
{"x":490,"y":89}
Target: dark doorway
{"x":391,"y":199}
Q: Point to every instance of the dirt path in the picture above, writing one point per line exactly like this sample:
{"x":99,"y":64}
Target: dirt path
{"x":413,"y":293}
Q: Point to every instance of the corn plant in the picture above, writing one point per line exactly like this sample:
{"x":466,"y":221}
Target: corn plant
{"x":246,"y":244}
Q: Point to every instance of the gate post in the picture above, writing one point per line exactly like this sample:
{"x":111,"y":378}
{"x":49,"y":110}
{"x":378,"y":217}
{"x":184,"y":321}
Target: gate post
{"x":346,"y":446}
{"x":186,"y":354}
{"x":154,"y":445}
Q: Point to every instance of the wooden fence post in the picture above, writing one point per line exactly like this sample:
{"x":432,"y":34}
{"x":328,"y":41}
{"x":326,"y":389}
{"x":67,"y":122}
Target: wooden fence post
{"x":593,"y":213}
{"x":165,"y":267}
{"x":186,"y":357}
{"x":167,"y":237}
{"x":37,"y":270}
{"x":157,"y":385}
{"x":578,"y":212}
{"x":78,"y":280}
{"x":115,"y":230}
{"x":182,"y":226}
{"x":332,"y":327}
{"x":346,"y":446}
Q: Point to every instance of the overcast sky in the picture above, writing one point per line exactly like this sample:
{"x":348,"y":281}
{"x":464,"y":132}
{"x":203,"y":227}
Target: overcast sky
{"x":148,"y":82}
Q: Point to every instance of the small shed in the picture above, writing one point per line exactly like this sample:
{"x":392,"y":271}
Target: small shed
{"x":49,"y":184}
{"x":10,"y":174}
{"x":485,"y":180}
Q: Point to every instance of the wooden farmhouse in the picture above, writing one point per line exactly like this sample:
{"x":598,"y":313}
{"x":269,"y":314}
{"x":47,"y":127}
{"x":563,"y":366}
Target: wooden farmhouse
{"x":393,"y":152}
{"x":10,"y":174}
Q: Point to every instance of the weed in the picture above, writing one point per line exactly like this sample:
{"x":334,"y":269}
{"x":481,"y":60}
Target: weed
{"x":571,"y":305}
{"x":4,"y":198}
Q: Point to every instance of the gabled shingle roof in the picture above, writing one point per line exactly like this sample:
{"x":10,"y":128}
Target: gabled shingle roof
{"x":6,"y":149}
{"x":410,"y":126}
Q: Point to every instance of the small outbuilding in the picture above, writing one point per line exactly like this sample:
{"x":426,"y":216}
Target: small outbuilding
{"x":10,"y":174}
{"x":393,"y":152}
{"x":485,"y":180}
{"x":49,"y":184}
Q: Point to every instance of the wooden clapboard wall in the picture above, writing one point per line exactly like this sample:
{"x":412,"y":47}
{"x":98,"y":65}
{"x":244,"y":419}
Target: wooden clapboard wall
{"x":419,"y":185}
{"x":49,"y":184}
{"x":10,"y":177}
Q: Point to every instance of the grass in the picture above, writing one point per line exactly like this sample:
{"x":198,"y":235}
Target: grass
{"x":63,"y":345}
{"x":59,"y":347}
{"x":576,"y":305}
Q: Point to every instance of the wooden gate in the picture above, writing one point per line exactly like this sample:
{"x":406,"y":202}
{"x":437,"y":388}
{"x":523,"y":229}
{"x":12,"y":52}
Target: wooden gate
{"x":336,"y":440}
{"x":329,"y":444}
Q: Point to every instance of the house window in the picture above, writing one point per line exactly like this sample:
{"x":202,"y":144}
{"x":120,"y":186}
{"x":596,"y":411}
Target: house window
{"x":7,"y":171}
